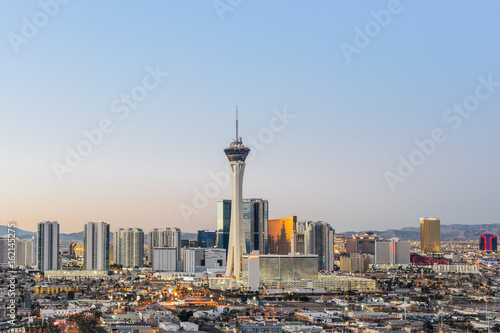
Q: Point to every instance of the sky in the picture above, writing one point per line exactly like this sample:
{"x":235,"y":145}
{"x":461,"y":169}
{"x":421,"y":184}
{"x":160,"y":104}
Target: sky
{"x":367,"y":115}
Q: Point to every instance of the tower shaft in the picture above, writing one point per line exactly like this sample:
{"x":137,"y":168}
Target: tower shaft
{"x":235,"y":248}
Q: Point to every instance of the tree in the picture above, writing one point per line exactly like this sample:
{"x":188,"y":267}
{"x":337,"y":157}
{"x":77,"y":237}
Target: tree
{"x":185,"y":315}
{"x":428,"y":327}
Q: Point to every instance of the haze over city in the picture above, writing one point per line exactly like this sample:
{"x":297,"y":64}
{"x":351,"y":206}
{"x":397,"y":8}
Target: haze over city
{"x":365,"y":115}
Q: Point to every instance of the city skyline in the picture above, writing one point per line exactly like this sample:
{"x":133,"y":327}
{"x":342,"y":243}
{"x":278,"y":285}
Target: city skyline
{"x":399,"y":120}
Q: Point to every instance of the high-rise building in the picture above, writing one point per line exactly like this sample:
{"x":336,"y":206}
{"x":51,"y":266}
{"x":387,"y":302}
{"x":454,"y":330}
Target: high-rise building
{"x":392,"y":252}
{"x":361,"y":243}
{"x":354,"y":262}
{"x":214,"y":257}
{"x":165,"y":259}
{"x":280,"y":235}
{"x":197,"y":260}
{"x":236,"y":154}
{"x":298,"y":243}
{"x":24,"y":253}
{"x":430,"y":235}
{"x":207,"y":238}
{"x":223,"y":223}
{"x":47,"y":255}
{"x":111,"y":255}
{"x":319,"y":237}
{"x":96,"y":245}
{"x":4,"y":251}
{"x":339,"y":243}
{"x":272,"y":267}
{"x":302,"y":226}
{"x":129,"y":247}
{"x":192,"y":258}
{"x":16,"y":252}
{"x":164,"y":237}
{"x":255,"y":219}
{"x":487,"y":242}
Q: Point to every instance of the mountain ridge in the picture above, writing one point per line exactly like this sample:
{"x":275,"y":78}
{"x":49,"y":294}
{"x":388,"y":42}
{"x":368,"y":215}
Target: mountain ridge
{"x":449,"y":232}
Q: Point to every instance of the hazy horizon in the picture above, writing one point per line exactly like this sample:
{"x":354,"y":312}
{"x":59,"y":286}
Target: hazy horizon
{"x":363,"y":115}
{"x":194,"y":232}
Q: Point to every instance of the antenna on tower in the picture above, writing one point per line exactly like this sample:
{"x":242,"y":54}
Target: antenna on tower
{"x":237,"y":138}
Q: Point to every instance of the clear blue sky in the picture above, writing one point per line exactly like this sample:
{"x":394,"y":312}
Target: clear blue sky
{"x":353,"y":119}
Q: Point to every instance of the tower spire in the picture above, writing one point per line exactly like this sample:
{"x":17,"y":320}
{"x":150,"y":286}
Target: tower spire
{"x":237,"y":138}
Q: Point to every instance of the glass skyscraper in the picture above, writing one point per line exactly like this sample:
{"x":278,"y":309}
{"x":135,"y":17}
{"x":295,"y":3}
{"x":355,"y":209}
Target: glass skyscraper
{"x":255,"y":224}
{"x":207,"y":238}
{"x":223,"y":222}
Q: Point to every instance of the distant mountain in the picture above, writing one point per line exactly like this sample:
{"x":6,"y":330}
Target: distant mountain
{"x":449,"y":232}
{"x":4,"y":230}
{"x":188,"y":235}
{"x":74,"y":237}
{"x":69,"y":238}
{"x":63,"y":238}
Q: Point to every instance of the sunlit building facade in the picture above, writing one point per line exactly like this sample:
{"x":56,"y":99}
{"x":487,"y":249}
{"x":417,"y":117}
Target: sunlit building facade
{"x":361,"y":243}
{"x":354,"y":262}
{"x":71,"y":249}
{"x":280,"y":235}
{"x":430,"y":235}
{"x":79,"y":251}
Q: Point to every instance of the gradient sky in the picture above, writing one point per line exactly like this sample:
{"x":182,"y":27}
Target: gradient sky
{"x":353,"y":120}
